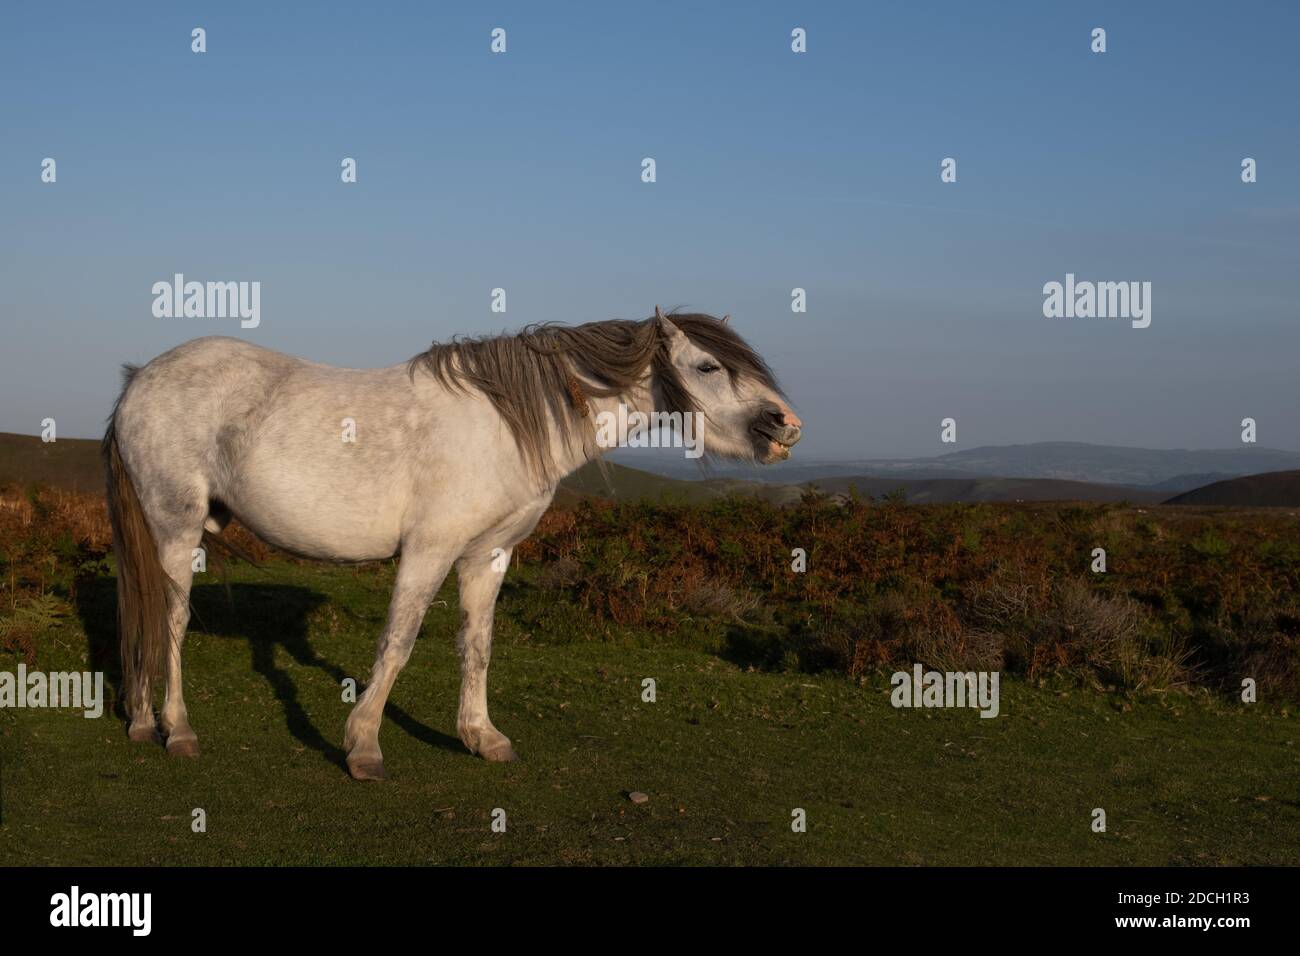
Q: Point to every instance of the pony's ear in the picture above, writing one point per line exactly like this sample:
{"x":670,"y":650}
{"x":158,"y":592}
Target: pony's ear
{"x":726,"y":318}
{"x":674,"y":337}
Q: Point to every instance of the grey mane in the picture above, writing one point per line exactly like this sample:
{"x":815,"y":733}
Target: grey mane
{"x":532,"y":377}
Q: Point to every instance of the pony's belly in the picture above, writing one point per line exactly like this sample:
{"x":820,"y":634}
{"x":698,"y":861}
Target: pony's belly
{"x":332,"y":547}
{"x":323,"y":531}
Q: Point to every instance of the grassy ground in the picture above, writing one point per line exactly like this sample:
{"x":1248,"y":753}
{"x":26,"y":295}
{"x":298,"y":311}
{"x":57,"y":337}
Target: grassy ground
{"x":725,"y":755}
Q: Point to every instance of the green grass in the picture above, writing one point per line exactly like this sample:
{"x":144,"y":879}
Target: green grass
{"x":725,"y":754}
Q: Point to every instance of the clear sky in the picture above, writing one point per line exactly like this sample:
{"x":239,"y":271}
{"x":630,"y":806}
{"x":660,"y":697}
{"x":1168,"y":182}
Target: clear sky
{"x":775,"y":170}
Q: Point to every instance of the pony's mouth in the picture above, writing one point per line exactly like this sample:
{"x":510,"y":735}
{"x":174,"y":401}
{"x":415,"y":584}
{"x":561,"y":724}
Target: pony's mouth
{"x":774,"y":442}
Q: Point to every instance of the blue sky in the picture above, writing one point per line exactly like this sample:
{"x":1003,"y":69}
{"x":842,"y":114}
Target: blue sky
{"x":775,"y":170}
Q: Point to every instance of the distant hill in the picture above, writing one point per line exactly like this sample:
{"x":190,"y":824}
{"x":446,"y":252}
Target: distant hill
{"x":1277,"y":489}
{"x":71,"y":463}
{"x":631,"y":484}
{"x":74,"y":464}
{"x":942,"y":490}
{"x":1170,"y":470}
{"x":628,"y":484}
{"x":1188,"y":482}
{"x":1078,"y":461}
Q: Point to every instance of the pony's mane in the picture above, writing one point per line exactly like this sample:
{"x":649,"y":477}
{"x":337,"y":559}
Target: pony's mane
{"x":530,"y":376}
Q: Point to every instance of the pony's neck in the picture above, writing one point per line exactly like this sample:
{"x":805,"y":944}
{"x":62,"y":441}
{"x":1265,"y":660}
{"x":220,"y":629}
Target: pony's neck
{"x":585,"y":448}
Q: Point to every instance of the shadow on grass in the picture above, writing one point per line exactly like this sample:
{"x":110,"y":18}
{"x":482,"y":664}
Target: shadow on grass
{"x":264,"y":615}
{"x":795,"y":648}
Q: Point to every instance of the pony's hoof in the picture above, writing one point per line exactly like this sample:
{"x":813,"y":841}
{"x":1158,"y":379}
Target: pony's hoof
{"x":501,"y":753}
{"x":143,"y":735}
{"x":183,"y":747}
{"x":367,"y":770}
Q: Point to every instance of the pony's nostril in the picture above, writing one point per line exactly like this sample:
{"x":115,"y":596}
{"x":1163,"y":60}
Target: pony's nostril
{"x":790,"y":419}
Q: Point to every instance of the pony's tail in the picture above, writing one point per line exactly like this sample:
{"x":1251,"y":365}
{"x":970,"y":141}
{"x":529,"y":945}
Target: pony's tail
{"x":142,"y":584}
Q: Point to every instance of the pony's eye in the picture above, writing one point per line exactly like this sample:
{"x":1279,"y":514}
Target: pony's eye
{"x":709,"y":367}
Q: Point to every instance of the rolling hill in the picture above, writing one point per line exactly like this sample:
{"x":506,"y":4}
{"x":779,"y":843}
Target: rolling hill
{"x":1278,"y":489}
{"x":69,"y":463}
{"x":73,"y":464}
{"x":944,"y":490}
{"x":1167,"y":470}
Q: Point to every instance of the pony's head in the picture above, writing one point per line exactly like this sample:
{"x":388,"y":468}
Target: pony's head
{"x":541,"y":378}
{"x":704,"y":367}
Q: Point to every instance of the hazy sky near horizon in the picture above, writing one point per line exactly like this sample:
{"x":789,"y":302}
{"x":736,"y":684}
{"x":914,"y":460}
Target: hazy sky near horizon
{"x":775,"y":170}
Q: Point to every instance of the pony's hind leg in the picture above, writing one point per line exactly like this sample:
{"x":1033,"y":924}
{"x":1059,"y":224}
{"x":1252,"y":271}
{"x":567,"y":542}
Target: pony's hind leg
{"x":178,"y":533}
{"x":479,"y":581}
{"x":177,"y":559}
{"x":419,"y":575}
{"x":143,"y":727}
{"x":176,"y":555}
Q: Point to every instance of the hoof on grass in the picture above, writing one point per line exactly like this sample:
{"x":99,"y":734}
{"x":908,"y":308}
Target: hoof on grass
{"x":502,"y":753}
{"x":143,"y":735}
{"x":183,"y":747}
{"x":367,"y":770}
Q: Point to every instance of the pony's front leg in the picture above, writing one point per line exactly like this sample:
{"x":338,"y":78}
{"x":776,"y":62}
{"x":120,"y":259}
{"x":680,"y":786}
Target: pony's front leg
{"x":479,"y":583}
{"x":419,"y":575}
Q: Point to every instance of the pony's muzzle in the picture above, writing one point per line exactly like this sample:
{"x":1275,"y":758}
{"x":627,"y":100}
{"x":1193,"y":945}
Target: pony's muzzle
{"x":781,"y":428}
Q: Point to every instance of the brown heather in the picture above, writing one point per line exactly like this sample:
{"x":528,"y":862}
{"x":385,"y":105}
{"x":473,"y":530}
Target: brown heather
{"x":1192,"y":598}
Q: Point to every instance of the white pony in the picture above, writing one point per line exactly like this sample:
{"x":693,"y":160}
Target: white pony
{"x":450,"y":458}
